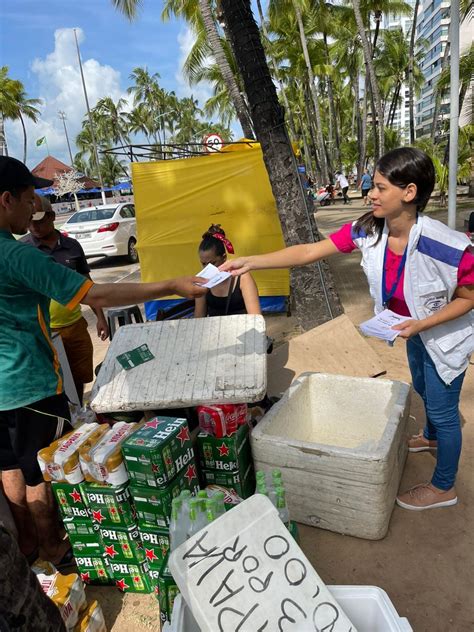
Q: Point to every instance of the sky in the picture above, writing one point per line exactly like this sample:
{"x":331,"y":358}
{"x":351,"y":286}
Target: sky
{"x":37,"y":44}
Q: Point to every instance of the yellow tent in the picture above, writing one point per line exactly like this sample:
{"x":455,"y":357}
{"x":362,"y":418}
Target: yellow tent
{"x":177,"y":200}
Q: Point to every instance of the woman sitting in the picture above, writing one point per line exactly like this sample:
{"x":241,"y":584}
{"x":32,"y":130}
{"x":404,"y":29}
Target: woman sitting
{"x":237,"y":295}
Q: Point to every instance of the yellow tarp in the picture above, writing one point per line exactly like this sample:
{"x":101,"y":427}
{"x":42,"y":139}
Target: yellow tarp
{"x":177,"y":200}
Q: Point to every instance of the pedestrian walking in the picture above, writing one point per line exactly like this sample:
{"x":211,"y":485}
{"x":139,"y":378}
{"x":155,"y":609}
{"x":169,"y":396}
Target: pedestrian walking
{"x":365,"y":186}
{"x":342,"y":184}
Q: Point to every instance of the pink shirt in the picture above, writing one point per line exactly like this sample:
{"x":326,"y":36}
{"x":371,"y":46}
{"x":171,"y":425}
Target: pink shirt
{"x":342,"y":239}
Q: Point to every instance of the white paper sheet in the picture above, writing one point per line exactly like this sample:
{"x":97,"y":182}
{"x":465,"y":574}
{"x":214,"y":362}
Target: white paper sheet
{"x":380,"y":326}
{"x":214,"y":276}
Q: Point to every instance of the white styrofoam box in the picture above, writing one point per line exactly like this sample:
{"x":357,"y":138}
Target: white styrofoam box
{"x":340,"y":443}
{"x":368,"y":607}
{"x":244,"y":571}
{"x":197,"y":361}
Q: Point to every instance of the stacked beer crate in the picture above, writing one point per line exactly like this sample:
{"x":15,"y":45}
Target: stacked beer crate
{"x":160,"y":461}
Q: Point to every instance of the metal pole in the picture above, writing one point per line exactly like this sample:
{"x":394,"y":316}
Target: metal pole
{"x":96,"y":153}
{"x":453,"y":114}
{"x":62,"y":116}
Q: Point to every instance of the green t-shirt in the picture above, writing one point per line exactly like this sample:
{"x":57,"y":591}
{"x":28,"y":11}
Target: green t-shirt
{"x":29,"y":366}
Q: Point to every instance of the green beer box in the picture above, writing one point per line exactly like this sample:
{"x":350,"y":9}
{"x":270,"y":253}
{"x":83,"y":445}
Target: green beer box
{"x":157,"y":451}
{"x":242,"y":483}
{"x":76,"y":527}
{"x":122,"y":545}
{"x":226,"y":454}
{"x":156,"y":544}
{"x":166,"y":590}
{"x":85,"y":544}
{"x":131,"y":577}
{"x":72,"y":500}
{"x":94,"y":569}
{"x":111,"y":506}
{"x":154,"y":505}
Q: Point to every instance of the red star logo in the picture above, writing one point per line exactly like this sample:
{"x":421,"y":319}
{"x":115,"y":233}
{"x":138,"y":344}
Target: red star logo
{"x":101,"y":572}
{"x":120,"y":583}
{"x":75,"y":495}
{"x":85,"y":577}
{"x":190,"y":473}
{"x":157,"y":590}
{"x":155,"y":467}
{"x":223,"y":449}
{"x":152,"y":424}
{"x":110,"y":550}
{"x":112,"y":511}
{"x":137,"y":579}
{"x":140,"y":442}
{"x":168,"y":460}
{"x":183,"y":435}
{"x":150,"y":555}
{"x":164,"y":550}
{"x":97,"y":516}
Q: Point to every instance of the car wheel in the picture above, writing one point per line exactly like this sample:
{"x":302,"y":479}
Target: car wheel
{"x":132,"y":254}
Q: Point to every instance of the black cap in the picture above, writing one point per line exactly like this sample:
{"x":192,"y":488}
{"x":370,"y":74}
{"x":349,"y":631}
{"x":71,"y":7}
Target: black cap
{"x":14,"y":175}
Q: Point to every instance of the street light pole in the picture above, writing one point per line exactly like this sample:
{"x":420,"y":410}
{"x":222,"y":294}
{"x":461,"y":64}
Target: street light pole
{"x":62,"y":116}
{"x":96,"y":153}
{"x":453,"y":114}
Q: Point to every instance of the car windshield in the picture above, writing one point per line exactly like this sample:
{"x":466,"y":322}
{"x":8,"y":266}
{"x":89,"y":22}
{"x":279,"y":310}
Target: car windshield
{"x":92,"y":215}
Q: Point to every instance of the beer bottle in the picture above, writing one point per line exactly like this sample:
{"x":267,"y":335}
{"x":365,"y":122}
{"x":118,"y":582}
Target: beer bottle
{"x":282,"y":507}
{"x":220,"y":504}
{"x":211,"y":510}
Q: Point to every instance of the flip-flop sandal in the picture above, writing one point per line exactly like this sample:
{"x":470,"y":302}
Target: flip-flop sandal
{"x":66,"y":560}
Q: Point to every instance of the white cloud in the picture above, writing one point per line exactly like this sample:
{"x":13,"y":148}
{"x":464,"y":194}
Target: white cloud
{"x":60,"y":88}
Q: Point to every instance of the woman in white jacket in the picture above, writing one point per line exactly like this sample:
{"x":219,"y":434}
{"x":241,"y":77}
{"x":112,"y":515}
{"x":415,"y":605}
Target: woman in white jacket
{"x":417,"y":267}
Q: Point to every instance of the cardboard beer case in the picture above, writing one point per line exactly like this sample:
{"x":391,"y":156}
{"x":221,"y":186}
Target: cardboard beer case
{"x":111,"y":506}
{"x":154,"y":505}
{"x":94,"y":569}
{"x":122,"y":545}
{"x":78,"y":527}
{"x":165,"y":589}
{"x":85,"y":544}
{"x":156,"y":545}
{"x":242,"y":483}
{"x":131,"y":577}
{"x":157,"y":451}
{"x":72,"y":500}
{"x":226,"y":454}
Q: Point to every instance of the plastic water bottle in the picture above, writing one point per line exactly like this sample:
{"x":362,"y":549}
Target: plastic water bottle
{"x":193,"y":517}
{"x":211,"y":510}
{"x":220,"y":504}
{"x":177,"y":526}
{"x":282,"y":506}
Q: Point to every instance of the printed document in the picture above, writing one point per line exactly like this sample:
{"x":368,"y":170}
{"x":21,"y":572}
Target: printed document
{"x":213,"y":275}
{"x":381,"y":325}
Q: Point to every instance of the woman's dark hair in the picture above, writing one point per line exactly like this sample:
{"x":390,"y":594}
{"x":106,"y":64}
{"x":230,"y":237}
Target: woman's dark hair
{"x":402,"y":167}
{"x":209,"y":242}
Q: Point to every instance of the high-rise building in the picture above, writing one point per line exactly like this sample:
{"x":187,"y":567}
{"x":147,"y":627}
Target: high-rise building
{"x":432,"y":34}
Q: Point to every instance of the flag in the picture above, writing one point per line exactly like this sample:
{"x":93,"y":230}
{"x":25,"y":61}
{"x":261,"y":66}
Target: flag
{"x":41,"y":141}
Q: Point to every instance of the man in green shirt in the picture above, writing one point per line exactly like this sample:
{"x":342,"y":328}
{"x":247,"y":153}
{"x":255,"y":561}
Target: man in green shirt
{"x":33,"y":407}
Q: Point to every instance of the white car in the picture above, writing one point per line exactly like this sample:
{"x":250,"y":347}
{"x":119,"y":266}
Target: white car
{"x":105,"y":231}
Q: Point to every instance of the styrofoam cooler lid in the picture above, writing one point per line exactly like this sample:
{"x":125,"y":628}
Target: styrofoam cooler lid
{"x":196,"y":361}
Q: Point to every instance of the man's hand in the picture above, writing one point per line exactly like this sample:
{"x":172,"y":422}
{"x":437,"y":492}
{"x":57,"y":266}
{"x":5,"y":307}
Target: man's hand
{"x":102,"y":327}
{"x":409,"y":328}
{"x":189,"y":287}
{"x":237,"y":266}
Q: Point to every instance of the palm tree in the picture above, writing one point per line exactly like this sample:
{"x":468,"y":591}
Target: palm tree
{"x":111,"y":169}
{"x":411,"y":88}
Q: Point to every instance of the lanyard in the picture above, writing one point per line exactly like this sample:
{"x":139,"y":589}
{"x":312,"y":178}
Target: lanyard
{"x":387,"y":294}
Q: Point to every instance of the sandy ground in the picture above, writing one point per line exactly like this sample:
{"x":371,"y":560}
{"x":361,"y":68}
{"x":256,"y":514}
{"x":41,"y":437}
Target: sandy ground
{"x":425,"y":561}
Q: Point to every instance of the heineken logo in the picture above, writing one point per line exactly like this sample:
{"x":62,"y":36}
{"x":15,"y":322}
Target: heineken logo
{"x":96,"y":498}
{"x":85,"y":577}
{"x":223,"y":449}
{"x":110,"y":550}
{"x":190,"y":473}
{"x":221,"y":465}
{"x":120,"y":583}
{"x":154,"y":574}
{"x":184,"y":459}
{"x":183,"y":435}
{"x":76,"y":496}
{"x":84,"y":561}
{"x":150,"y":555}
{"x":152,"y":424}
{"x":97,"y":516}
{"x":151,"y":538}
{"x":109,"y":533}
{"x":121,"y":568}
{"x":78,"y":512}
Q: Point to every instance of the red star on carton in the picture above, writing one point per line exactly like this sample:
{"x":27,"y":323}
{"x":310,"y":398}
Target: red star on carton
{"x":152,"y":424}
{"x":101,"y":572}
{"x":110,"y":550}
{"x":223,"y":449}
{"x":120,"y":583}
{"x":85,"y":577}
{"x":183,"y":435}
{"x":97,"y":516}
{"x":190,"y":472}
{"x":150,"y":555}
{"x":137,"y":579}
{"x":76,"y":496}
{"x":155,"y":468}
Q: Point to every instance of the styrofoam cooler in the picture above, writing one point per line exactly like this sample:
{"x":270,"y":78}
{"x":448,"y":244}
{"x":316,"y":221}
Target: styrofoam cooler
{"x":368,"y":607}
{"x":340,"y":443}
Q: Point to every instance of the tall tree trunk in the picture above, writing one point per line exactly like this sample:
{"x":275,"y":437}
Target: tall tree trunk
{"x":311,"y":125}
{"x":361,"y":126}
{"x":227,"y":74}
{"x":438,"y":95}
{"x":393,"y":104}
{"x":315,"y":295}
{"x":314,"y":92}
{"x":25,"y":144}
{"x":3,"y":138}
{"x":276,"y":73}
{"x":332,"y":110}
{"x":371,"y":73}
{"x":411,"y":85}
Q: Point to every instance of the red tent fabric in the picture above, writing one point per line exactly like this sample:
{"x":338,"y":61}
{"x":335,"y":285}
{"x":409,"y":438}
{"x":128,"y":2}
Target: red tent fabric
{"x":51,"y":167}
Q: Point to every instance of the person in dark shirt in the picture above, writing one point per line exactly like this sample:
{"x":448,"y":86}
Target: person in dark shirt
{"x":236,"y":295}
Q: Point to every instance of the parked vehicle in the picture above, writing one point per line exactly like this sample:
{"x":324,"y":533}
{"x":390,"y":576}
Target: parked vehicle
{"x":108,"y":230}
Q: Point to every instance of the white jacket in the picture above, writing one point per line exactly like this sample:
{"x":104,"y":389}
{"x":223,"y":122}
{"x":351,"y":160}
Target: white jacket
{"x":433,"y":256}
